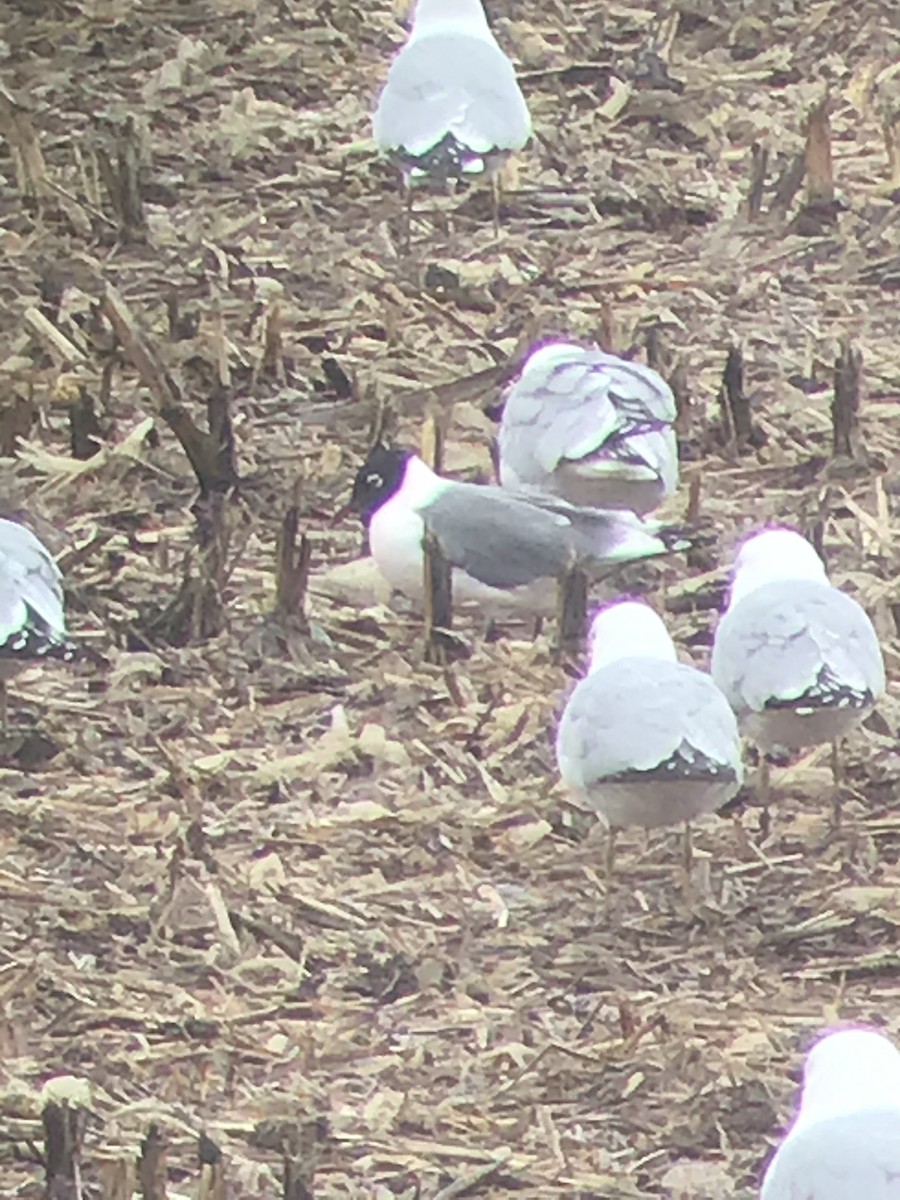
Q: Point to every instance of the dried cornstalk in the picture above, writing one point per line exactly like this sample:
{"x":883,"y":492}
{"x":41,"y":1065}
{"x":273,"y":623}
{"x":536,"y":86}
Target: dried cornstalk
{"x":210,"y":454}
{"x":819,"y":167}
{"x":152,"y":1165}
{"x":292,"y":565}
{"x":24,"y":147}
{"x":572,"y":611}
{"x":438,"y":584}
{"x":845,"y":402}
{"x":735,"y":403}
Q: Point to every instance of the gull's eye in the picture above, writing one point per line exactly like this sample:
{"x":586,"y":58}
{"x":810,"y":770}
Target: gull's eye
{"x":373,"y":479}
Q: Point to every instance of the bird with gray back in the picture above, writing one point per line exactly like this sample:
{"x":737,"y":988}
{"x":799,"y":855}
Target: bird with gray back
{"x":589,"y":427}
{"x":507,"y":552}
{"x":845,"y":1141}
{"x":32,"y":617}
{"x":645,"y":740}
{"x":797,"y":658}
{"x":451,"y":106}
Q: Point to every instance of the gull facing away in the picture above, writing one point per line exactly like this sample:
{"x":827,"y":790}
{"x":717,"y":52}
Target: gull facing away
{"x":507,"y":552}
{"x":451,"y":106}
{"x":591,"y":428}
{"x":32,"y":620}
{"x":798,"y":660}
{"x":644,"y":739}
{"x":845,"y":1142}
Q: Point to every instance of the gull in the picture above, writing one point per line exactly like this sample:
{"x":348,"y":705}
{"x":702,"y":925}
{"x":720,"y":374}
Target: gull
{"x":797,"y":658}
{"x":507,"y":552}
{"x":590,"y":427}
{"x":845,"y":1141}
{"x":32,"y":619}
{"x":645,"y":740}
{"x":451,"y":106}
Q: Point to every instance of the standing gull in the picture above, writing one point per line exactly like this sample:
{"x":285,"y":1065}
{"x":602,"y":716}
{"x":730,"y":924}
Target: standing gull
{"x":506,"y":551}
{"x":590,"y":427}
{"x":32,"y":620}
{"x":845,"y":1142}
{"x":798,"y":660}
{"x":646,"y":740}
{"x":451,"y":106}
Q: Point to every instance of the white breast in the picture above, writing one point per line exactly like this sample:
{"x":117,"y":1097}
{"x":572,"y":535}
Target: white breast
{"x":395,"y":540}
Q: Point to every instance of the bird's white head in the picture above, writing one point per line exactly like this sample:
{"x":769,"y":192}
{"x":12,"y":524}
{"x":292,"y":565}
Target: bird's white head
{"x":449,"y":16}
{"x":771,"y":556}
{"x":848,"y":1071}
{"x":627,"y":629}
{"x":546,"y":357}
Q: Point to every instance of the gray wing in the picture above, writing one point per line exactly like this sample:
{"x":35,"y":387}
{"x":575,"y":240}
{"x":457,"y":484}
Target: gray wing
{"x":451,"y":83}
{"x":30,"y":583}
{"x":792,"y":639}
{"x":595,"y":412}
{"x":497,"y":538}
{"x":636,"y":714}
{"x":855,"y":1157}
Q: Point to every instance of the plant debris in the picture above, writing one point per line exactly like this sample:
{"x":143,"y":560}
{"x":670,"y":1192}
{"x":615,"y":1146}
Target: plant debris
{"x":288,"y":910}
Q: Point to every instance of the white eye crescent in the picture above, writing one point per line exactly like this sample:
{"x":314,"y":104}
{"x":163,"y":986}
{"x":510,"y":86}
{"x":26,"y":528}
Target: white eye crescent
{"x":375,"y":479}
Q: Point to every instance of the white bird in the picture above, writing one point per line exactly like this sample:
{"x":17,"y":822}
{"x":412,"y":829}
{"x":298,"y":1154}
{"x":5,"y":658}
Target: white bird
{"x":507,"y":552}
{"x":32,"y":619}
{"x":590,"y":427}
{"x":845,"y":1142}
{"x":451,"y":106}
{"x":645,"y":740}
{"x":797,"y":658}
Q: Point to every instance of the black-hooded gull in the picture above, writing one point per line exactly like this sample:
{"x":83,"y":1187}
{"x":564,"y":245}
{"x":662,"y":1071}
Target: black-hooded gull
{"x":645,"y":740}
{"x":845,"y":1141}
{"x":797,"y":658}
{"x":590,"y":427}
{"x":451,"y":106}
{"x":507,"y":552}
{"x":32,"y":619}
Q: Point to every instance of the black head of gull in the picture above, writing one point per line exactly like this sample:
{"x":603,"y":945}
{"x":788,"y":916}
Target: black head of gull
{"x":380,"y":476}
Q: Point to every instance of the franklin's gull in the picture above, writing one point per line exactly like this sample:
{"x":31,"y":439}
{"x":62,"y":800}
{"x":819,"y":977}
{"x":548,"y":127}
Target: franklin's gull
{"x":451,"y":105}
{"x":644,"y":739}
{"x":506,"y":551}
{"x":797,"y":658}
{"x":845,"y":1142}
{"x":590,"y":427}
{"x":32,"y":620}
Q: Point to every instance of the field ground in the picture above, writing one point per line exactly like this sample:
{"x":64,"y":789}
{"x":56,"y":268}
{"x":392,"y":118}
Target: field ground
{"x":305,"y":893}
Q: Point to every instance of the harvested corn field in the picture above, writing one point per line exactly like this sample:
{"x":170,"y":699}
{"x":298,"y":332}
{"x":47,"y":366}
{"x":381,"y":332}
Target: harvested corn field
{"x":300,"y":914}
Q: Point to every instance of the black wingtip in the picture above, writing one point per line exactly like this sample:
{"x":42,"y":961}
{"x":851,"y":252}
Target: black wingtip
{"x":30,"y":644}
{"x":686,"y":537}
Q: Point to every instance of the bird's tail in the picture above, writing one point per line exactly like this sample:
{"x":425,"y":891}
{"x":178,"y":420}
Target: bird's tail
{"x":614,"y":537}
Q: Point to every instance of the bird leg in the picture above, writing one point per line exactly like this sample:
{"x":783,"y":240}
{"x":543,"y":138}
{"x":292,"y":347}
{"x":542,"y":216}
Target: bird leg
{"x":4,"y":708}
{"x":837,"y":775}
{"x":407,"y":219}
{"x":609,"y":855}
{"x":687,"y":849}
{"x":496,"y":197}
{"x":764,"y":794}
